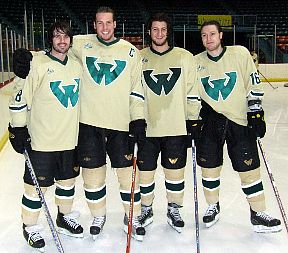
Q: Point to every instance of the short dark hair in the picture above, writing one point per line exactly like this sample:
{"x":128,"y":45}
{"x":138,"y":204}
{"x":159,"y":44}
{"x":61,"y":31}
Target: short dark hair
{"x":60,"y":26}
{"x":105,"y":9}
{"x":161,"y":17}
{"x":212,"y":22}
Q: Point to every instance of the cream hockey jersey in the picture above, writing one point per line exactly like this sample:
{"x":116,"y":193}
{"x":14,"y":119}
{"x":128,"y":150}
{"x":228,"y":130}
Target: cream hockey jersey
{"x":170,"y":90}
{"x":228,"y":81}
{"x":111,"y":94}
{"x":47,"y":101}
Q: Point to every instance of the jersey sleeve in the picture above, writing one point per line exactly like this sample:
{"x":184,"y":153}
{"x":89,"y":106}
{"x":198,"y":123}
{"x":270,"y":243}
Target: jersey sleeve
{"x":193,"y":97}
{"x":21,"y":100}
{"x":137,"y":92}
{"x":252,"y":81}
{"x":17,"y":104}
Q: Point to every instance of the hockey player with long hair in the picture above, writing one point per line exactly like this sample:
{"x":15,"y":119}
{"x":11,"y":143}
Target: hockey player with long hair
{"x":232,"y":112}
{"x":45,"y":122}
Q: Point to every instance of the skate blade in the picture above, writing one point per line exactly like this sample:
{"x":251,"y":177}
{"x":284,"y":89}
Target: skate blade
{"x":147,"y":222}
{"x":66,"y":232}
{"x":94,"y":237}
{"x":210,"y":224}
{"x":178,"y":229}
{"x":264,"y":229}
{"x":134,"y":236}
{"x":40,"y":249}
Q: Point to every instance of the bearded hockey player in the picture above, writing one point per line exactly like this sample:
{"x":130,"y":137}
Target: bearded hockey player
{"x":171,"y":104}
{"x":45,"y":122}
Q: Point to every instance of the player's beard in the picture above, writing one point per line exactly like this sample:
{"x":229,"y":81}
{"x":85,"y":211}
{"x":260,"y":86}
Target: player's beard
{"x":61,"y":50}
{"x":159,"y":43}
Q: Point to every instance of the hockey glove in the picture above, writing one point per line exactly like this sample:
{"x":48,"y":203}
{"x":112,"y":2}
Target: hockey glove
{"x":257,"y":123}
{"x":21,"y":62}
{"x":19,"y":138}
{"x":137,"y":130}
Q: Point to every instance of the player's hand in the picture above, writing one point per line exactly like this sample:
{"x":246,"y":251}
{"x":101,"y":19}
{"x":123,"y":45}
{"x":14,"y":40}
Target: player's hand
{"x":21,"y":62}
{"x":137,"y":130}
{"x":257,"y":123}
{"x":19,"y":138}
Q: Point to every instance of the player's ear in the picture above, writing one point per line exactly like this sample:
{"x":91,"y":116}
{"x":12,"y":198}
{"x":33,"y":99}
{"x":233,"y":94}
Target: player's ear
{"x":221,"y":35}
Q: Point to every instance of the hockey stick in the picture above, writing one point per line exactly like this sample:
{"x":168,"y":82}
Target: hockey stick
{"x":273,"y":185}
{"x":132,"y":199}
{"x":267,"y":81}
{"x":195,"y":196}
{"x":43,"y":202}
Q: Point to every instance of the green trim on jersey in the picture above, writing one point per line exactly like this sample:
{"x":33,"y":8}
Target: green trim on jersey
{"x":56,"y":59}
{"x":216,"y":58}
{"x":107,"y":43}
{"x":158,"y":53}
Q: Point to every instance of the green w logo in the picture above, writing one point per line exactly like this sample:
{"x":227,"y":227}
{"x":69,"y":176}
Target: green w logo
{"x":66,"y":93}
{"x":222,"y":86}
{"x":109,"y":71}
{"x":159,"y":82}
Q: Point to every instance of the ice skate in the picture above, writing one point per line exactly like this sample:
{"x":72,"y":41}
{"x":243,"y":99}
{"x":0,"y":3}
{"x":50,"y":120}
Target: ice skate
{"x":146,"y":217}
{"x":138,"y":231}
{"x":33,"y":237}
{"x":173,"y":217}
{"x":211,"y":215}
{"x":97,"y":226}
{"x":264,"y":223}
{"x":68,"y":225}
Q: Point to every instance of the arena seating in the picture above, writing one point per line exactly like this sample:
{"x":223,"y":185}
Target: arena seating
{"x":132,"y":14}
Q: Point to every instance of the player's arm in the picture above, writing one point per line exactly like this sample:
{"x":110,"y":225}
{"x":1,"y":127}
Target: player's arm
{"x":255,"y":93}
{"x":137,"y":126}
{"x":193,"y":121}
{"x":18,"y":107}
{"x":18,"y":132}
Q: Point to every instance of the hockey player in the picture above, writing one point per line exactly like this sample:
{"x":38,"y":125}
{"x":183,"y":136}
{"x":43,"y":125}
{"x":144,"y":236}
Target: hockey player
{"x":169,"y":80}
{"x":111,"y":118}
{"x":111,"y":98}
{"x":45,"y":122}
{"x":232,"y":112}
